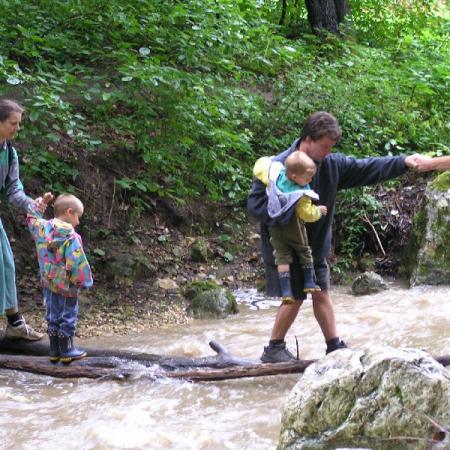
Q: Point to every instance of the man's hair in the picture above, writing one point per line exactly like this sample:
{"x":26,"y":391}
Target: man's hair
{"x":299,"y":163}
{"x":65,"y":201}
{"x":321,"y":124}
{"x":7,"y":107}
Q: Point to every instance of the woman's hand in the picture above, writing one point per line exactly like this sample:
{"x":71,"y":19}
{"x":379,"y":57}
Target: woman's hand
{"x":41,"y":203}
{"x":416,"y":161}
{"x":423,"y":163}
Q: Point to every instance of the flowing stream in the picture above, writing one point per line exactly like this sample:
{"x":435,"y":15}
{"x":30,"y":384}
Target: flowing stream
{"x":39,"y":412}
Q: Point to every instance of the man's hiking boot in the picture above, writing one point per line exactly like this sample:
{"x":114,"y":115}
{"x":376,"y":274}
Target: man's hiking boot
{"x":335,"y":346}
{"x":68,"y":352}
{"x":22,"y":331}
{"x":276,"y":354}
{"x":308,"y":284}
{"x":53,"y":352}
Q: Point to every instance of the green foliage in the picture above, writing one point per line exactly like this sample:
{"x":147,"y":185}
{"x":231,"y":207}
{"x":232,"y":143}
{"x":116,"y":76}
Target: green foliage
{"x":193,"y":92}
{"x":442,"y":182}
{"x":355,"y":207}
{"x":384,"y":22}
{"x":197,"y":287}
{"x":166,"y":78}
{"x":58,"y":176}
{"x":389,"y":87}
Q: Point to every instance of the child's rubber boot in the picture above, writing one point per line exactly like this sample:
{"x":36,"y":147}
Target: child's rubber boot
{"x":68,"y":352}
{"x":308,"y":280}
{"x":53,"y":352}
{"x":286,"y":291}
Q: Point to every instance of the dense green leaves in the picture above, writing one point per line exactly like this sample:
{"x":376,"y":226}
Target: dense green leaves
{"x":197,"y":90}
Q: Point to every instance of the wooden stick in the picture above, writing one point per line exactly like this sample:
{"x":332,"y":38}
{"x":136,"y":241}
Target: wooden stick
{"x":366,"y":219}
{"x":112,"y":203}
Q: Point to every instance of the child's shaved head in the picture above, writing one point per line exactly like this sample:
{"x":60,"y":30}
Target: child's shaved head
{"x":65,"y":201}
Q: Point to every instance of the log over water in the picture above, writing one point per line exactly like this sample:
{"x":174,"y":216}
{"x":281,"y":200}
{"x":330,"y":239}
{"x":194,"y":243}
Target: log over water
{"x":121,"y":364}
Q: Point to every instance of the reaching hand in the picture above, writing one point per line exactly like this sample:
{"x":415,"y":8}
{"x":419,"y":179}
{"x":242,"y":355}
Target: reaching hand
{"x":418,"y":162}
{"x":423,"y":163}
{"x":323,"y":210}
{"x":48,"y":198}
{"x":41,"y":203}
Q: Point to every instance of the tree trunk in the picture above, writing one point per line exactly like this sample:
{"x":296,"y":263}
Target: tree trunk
{"x":327,"y":15}
{"x":110,"y":364}
{"x":342,"y":10}
{"x":283,"y":12}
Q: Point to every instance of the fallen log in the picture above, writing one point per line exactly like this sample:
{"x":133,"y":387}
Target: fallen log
{"x":123,"y":364}
{"x":229,"y":373}
{"x":40,"y":365}
{"x":220,"y":360}
{"x":96,"y":367}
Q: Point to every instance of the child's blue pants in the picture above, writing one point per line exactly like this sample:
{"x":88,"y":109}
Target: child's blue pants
{"x":61,"y":313}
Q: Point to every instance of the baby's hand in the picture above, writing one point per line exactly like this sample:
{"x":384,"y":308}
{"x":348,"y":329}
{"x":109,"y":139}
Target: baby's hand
{"x":323,"y":210}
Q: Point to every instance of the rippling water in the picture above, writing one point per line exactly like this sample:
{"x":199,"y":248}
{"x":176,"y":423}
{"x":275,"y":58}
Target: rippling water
{"x":44,"y":413}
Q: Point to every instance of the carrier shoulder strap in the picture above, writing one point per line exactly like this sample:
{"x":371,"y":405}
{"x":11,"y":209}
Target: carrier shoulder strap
{"x":10,"y":150}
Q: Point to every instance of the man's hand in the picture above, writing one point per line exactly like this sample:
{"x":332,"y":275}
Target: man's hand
{"x":323,"y":210}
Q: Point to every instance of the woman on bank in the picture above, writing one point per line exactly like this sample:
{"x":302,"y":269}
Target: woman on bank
{"x":11,"y":189}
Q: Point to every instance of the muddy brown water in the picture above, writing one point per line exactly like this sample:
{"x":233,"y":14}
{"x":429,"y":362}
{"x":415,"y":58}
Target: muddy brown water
{"x":44,"y":413}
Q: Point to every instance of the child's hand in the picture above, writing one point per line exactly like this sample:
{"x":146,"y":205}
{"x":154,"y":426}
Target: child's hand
{"x":41,"y":203}
{"x":47,"y":198}
{"x":323,"y":210}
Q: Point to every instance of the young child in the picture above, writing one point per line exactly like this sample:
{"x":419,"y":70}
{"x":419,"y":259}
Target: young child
{"x":287,"y":186}
{"x":63,"y":269}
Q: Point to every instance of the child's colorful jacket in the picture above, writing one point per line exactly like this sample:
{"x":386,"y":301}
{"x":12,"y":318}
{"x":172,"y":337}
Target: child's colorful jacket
{"x":63,"y":265}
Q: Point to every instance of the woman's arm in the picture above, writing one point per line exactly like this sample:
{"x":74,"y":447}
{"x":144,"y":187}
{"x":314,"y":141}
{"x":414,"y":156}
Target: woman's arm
{"x":13,"y":186}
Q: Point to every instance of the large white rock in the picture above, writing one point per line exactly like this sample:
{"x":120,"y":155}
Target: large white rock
{"x":370,"y":398}
{"x":427,"y":257}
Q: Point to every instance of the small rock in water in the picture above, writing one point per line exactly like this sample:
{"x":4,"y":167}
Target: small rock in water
{"x":166,"y":283}
{"x":368,"y":283}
